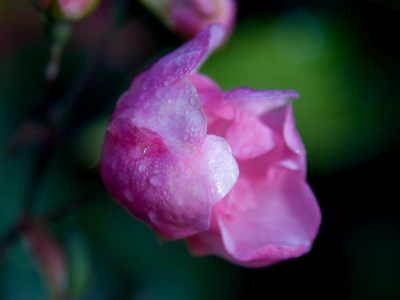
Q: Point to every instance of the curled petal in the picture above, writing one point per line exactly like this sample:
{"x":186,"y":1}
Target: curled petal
{"x":278,"y":220}
{"x":180,"y":62}
{"x":259,"y":102}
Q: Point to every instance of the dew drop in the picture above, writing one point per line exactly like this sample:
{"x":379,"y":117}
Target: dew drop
{"x":156,"y":180}
{"x":128,"y":194}
{"x":193,"y":100}
{"x":153,"y":216}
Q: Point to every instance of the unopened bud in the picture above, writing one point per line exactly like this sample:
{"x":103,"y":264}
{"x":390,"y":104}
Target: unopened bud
{"x":66,"y":10}
{"x":49,"y":256}
{"x":189,"y":17}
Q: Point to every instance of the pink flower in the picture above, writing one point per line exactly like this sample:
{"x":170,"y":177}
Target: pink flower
{"x":67,"y":10}
{"x":160,"y":164}
{"x":189,"y":17}
{"x":157,"y":160}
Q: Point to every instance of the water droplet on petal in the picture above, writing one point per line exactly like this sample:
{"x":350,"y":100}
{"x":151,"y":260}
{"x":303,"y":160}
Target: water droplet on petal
{"x":154,"y":217}
{"x":157,"y":180}
{"x":193,"y":100}
{"x":128,"y":194}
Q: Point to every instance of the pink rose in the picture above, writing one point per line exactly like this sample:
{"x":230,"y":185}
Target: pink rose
{"x":189,"y":17}
{"x":157,"y":160}
{"x":167,"y":158}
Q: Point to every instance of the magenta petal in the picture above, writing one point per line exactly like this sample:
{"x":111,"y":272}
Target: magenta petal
{"x":180,"y":62}
{"x":152,"y":183}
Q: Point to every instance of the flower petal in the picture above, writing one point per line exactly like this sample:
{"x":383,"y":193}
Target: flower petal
{"x":278,"y":220}
{"x":209,"y":92}
{"x":171,"y":192}
{"x":215,"y":161}
{"x":258,"y":102}
{"x":153,"y":183}
{"x":179,"y":63}
{"x":249,"y":137}
{"x":174,"y":112}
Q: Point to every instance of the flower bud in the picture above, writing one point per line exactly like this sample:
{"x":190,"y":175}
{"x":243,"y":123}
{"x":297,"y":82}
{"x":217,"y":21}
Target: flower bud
{"x":224,"y":169}
{"x":66,"y":10}
{"x":189,"y":17}
{"x":157,"y":159}
{"x":49,"y":256}
{"x":41,"y":4}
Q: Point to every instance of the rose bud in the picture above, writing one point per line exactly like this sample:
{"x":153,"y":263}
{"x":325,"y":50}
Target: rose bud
{"x":189,"y":17}
{"x":157,"y":159}
{"x":269,"y":215}
{"x":66,"y":10}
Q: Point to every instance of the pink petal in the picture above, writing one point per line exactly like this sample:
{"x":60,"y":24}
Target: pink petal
{"x":152,"y":183}
{"x":249,"y":137}
{"x":262,"y":223}
{"x":215,"y":161}
{"x":209,"y":92}
{"x":171,"y":192}
{"x":174,"y":112}
{"x":180,"y":62}
{"x":258,"y":102}
{"x":187,"y":18}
